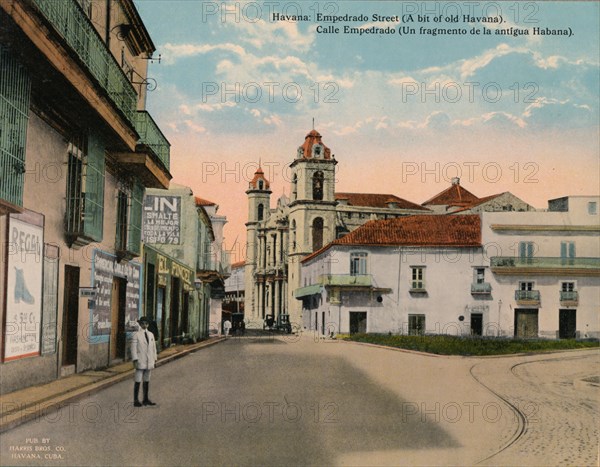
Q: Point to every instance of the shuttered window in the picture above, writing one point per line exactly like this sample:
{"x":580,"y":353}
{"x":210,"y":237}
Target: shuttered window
{"x":85,"y":189}
{"x":15,"y":92}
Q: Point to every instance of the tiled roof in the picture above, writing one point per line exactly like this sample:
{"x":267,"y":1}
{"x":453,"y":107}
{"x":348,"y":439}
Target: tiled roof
{"x":239,"y":264}
{"x":312,"y":138}
{"x":203,"y":202}
{"x":376,"y":200}
{"x":419,"y":230}
{"x":258,"y":175}
{"x":455,"y":195}
{"x":485,"y":199}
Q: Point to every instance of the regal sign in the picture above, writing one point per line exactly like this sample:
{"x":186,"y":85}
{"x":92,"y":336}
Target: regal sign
{"x":23,"y":290}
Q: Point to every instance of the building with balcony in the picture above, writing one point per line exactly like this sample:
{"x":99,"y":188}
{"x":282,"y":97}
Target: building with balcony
{"x":185,"y":270}
{"x":233,"y":303}
{"x":545,"y":268}
{"x":525,"y":274}
{"x":279,"y":238}
{"x":77,"y":151}
{"x":410,"y":275}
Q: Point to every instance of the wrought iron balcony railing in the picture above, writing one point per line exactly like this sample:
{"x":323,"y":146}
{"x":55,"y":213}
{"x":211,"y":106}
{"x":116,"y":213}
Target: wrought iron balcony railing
{"x":346,"y":280}
{"x":152,"y":138}
{"x":542,"y":262}
{"x":69,"y":20}
{"x":527,"y":295}
{"x":569,"y":296}
{"x":482,"y":288}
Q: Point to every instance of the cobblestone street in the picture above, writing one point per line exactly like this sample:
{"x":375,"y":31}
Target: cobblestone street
{"x":557,"y":401}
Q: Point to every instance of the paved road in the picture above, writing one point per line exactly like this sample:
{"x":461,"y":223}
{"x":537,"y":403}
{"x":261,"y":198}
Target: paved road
{"x":291,"y":401}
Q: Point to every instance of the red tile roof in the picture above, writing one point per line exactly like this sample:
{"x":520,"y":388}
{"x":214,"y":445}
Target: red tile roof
{"x":478,"y":202}
{"x":239,"y":264}
{"x":419,"y":230}
{"x":312,"y":138}
{"x":376,"y":200}
{"x":455,"y":195}
{"x":258,"y":175}
{"x":203,"y":202}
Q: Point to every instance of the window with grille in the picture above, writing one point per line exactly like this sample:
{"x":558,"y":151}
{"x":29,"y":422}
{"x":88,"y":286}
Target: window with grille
{"x":418,"y":278}
{"x":358,"y":264}
{"x":15,"y":92}
{"x":85,"y":189}
{"x":129,"y":219}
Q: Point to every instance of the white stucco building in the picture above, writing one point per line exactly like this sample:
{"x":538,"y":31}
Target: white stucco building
{"x":504,"y":274}
{"x":545,"y":268}
{"x":411,"y":275}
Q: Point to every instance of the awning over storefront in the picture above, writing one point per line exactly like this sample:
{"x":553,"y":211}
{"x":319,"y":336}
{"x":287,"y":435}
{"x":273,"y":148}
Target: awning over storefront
{"x":306,"y":291}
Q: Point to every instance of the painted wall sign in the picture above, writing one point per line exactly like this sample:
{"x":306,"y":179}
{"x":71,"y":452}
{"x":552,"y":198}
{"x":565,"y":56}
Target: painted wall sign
{"x":105,"y":268}
{"x":161,"y":219}
{"x":50,"y":302}
{"x":23,"y":290}
{"x":88,"y":292}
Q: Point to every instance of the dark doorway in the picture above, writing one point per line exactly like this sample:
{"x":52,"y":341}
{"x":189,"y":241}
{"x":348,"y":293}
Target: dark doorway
{"x":185,"y":313}
{"x":526,"y":323}
{"x":160,"y":312}
{"x":118,"y":337}
{"x":416,"y":325}
{"x":358,"y":322}
{"x":567,"y":324}
{"x":150,"y":289}
{"x":70,"y":316}
{"x":476,"y":324}
{"x":175,"y":302}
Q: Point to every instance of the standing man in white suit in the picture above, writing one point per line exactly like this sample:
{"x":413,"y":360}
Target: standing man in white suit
{"x":143,"y":354}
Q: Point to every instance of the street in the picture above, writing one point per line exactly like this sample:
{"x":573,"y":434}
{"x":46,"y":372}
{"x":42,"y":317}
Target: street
{"x":289,"y":400}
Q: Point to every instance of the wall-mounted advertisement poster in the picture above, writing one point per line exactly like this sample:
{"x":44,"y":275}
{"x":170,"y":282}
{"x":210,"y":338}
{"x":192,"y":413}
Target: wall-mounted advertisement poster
{"x":23,"y":290}
{"x":161,"y":219}
{"x":106,"y":269}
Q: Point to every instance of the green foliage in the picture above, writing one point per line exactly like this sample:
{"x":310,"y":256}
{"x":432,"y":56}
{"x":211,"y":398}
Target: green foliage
{"x":453,"y":345}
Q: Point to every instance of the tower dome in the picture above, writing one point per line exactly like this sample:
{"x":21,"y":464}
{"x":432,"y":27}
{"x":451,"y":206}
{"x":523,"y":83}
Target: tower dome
{"x":313,"y":147}
{"x":259,"y":182}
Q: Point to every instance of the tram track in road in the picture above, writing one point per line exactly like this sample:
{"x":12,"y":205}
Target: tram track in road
{"x":522,"y":422}
{"x":544,"y":392}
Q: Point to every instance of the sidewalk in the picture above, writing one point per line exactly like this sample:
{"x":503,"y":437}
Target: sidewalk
{"x":23,"y":405}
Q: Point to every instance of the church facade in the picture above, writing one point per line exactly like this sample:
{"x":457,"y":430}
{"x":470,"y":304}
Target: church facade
{"x":313,"y":216}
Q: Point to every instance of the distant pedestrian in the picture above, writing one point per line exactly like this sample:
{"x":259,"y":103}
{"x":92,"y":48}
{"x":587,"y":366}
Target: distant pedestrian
{"x":143,"y":354}
{"x":242,"y":328}
{"x":227,"y":327}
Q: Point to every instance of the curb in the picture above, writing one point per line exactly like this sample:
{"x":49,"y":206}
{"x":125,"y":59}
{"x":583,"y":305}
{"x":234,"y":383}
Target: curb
{"x":508,"y":355}
{"x":38,"y":409}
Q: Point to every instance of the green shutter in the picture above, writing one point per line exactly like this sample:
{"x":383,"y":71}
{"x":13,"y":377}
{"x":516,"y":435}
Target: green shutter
{"x":134,"y":234}
{"x":15,"y":92}
{"x":94,"y":189}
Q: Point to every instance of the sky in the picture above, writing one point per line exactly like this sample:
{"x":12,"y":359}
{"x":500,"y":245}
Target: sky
{"x":403,"y":106}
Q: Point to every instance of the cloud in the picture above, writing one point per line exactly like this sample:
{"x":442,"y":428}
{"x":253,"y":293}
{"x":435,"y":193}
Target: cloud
{"x":495,"y":119}
{"x":194,"y":127}
{"x":173,"y":52}
{"x":559,"y":113}
{"x":273,"y":120}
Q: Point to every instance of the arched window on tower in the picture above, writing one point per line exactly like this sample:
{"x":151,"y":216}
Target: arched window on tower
{"x":260,"y":185}
{"x":317,"y":234}
{"x":293,"y":235}
{"x":261,"y":212}
{"x":318,"y":185}
{"x":294,"y":187}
